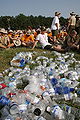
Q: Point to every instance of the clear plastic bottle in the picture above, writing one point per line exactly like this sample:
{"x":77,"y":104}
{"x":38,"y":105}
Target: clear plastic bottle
{"x":14,"y":109}
{"x":5,"y":111}
{"x":57,"y":113}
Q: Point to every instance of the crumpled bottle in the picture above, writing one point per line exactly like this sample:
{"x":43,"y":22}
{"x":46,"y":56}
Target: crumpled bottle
{"x":57,"y":113}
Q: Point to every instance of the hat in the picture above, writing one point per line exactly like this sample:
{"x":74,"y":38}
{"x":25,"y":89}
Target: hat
{"x":17,"y":42}
{"x":11,"y":31}
{"x":48,"y":30}
{"x":43,"y":28}
{"x":28,"y":32}
{"x":38,"y":29}
{"x":33,"y":31}
{"x":57,"y":13}
{"x":72,"y":13}
{"x":3,"y":31}
{"x":20,"y":32}
{"x":77,"y":16}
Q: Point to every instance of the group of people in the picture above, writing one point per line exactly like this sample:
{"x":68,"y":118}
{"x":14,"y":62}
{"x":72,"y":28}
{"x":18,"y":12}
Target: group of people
{"x":9,"y":39}
{"x":53,"y":38}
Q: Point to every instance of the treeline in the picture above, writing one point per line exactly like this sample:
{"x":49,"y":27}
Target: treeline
{"x":21,"y":21}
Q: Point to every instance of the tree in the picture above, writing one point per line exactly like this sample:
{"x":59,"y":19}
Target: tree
{"x":21,"y":21}
{"x":62,"y":21}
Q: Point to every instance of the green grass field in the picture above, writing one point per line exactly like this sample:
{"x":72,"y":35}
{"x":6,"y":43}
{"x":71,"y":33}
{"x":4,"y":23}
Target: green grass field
{"x":6,"y":55}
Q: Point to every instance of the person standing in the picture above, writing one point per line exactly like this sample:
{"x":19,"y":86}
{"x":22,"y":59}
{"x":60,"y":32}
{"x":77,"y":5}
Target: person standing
{"x":78,"y":25}
{"x":71,"y":22}
{"x":55,"y":26}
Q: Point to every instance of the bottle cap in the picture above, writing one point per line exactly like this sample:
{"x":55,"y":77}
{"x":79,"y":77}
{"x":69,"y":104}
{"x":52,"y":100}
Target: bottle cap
{"x":37,"y":111}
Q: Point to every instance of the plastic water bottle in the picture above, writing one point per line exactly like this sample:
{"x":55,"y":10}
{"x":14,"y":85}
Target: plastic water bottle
{"x":51,"y":72}
{"x":57,"y":113}
{"x":66,"y":108}
{"x":9,"y":117}
{"x":14,"y":109}
{"x":5,"y":111}
{"x":4,"y":101}
{"x":39,"y":118}
{"x":44,"y":63}
{"x":39,"y":108}
{"x":32,"y":98}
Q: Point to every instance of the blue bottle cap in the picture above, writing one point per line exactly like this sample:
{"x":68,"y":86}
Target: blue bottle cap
{"x":54,"y":81}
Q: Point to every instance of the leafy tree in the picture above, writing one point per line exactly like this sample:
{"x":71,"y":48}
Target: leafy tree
{"x":22,"y":22}
{"x":62,"y":21}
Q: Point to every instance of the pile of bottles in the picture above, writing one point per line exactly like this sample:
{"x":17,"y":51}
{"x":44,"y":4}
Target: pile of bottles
{"x":41,"y":93}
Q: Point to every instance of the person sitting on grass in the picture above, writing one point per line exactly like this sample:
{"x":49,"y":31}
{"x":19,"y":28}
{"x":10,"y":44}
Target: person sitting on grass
{"x":72,"y":41}
{"x":42,"y":38}
{"x":4,"y":39}
{"x":27,"y":39}
{"x":14,"y":41}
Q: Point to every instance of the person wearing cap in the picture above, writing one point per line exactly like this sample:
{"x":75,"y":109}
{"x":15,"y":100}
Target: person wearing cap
{"x":55,"y":26}
{"x":71,"y":22}
{"x":78,"y":24}
{"x":27,"y":39}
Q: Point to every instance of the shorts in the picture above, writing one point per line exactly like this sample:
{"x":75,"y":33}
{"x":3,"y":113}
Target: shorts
{"x":48,"y":47}
{"x":54,"y":32}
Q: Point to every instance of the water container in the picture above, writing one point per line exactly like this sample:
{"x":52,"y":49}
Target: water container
{"x":57,"y":113}
{"x":5,"y":110}
{"x":37,"y":112}
{"x":59,"y":90}
{"x":22,"y":63}
{"x":4,"y":101}
{"x":66,"y":108}
{"x":14,"y":109}
{"x":54,"y":81}
{"x":51,"y":72}
{"x":9,"y":117}
{"x":39,"y":108}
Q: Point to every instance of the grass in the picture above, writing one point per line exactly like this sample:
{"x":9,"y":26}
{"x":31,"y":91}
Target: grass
{"x":6,"y":55}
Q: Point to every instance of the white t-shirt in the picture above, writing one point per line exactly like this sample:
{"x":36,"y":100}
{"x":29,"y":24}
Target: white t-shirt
{"x":55,"y":20}
{"x":43,"y":39}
